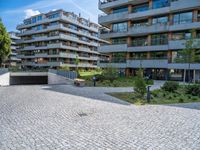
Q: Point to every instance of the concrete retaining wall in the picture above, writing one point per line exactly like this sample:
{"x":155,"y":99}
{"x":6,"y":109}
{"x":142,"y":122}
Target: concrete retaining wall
{"x":5,"y":79}
{"x":57,"y":79}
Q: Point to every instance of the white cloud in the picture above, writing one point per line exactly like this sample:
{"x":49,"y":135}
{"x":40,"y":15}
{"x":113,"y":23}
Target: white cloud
{"x":30,"y":13}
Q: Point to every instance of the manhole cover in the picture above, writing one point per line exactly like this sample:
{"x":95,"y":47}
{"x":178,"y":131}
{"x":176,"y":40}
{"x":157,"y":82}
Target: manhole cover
{"x":82,"y":114}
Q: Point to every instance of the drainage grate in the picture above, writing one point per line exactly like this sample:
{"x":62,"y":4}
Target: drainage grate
{"x":82,"y":114}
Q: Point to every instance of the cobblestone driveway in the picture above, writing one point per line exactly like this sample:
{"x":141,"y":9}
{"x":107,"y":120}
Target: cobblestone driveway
{"x":65,"y":117}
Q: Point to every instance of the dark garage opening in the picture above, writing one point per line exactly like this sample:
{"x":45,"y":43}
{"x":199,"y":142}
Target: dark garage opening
{"x":28,"y":80}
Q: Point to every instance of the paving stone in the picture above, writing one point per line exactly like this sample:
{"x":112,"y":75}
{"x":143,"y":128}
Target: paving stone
{"x":68,"y":117}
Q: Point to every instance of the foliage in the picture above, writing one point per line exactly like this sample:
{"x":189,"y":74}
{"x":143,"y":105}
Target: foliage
{"x":77,"y":61}
{"x":5,"y":43}
{"x":139,"y":84}
{"x":110,"y":73}
{"x":170,"y":86}
{"x":189,"y":54}
{"x":160,"y":97}
{"x":65,"y":68}
{"x":193,"y":89}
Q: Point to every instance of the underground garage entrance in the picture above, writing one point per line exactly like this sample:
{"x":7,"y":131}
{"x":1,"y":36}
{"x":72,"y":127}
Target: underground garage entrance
{"x":23,"y":78}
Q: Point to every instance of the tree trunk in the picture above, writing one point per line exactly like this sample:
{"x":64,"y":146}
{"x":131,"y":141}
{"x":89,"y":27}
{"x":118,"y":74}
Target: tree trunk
{"x":184,"y":76}
{"x":189,"y":78}
{"x":194,"y":76}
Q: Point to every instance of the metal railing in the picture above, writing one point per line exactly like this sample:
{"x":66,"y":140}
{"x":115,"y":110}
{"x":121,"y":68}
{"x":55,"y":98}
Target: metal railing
{"x":67,"y":74}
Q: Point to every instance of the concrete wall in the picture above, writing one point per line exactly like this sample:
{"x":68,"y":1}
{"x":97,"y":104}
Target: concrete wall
{"x":5,"y":79}
{"x":56,"y":79}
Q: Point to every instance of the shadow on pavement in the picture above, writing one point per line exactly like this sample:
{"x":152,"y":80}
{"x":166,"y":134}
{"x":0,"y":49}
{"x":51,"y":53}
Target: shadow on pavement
{"x":87,"y":92}
{"x":186,"y":105}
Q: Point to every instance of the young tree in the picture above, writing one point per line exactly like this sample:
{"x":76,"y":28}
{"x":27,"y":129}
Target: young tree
{"x":188,"y":54}
{"x":5,"y":43}
{"x":110,"y":73}
{"x":77,"y":61}
{"x":139,"y":84}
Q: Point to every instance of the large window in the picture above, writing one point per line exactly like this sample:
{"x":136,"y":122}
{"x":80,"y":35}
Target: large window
{"x":181,"y":35}
{"x":160,"y":20}
{"x":120,"y":10}
{"x":140,"y":23}
{"x":39,"y":18}
{"x":140,"y":8}
{"x":140,"y":41}
{"x":183,"y":18}
{"x":120,"y":27}
{"x":119,"y":41}
{"x":140,"y":55}
{"x":160,"y":3}
{"x":34,"y":20}
{"x":159,"y":39}
{"x":158,"y":55}
{"x":118,"y":58}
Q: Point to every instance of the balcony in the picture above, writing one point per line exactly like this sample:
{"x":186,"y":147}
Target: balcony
{"x":115,"y":65}
{"x":148,"y":29}
{"x":113,"y":48}
{"x":180,"y":44}
{"x":148,"y":48}
{"x":119,"y":17}
{"x":105,"y":5}
{"x":154,"y":63}
{"x":174,"y":6}
{"x":183,"y":66}
{"x":184,"y":4}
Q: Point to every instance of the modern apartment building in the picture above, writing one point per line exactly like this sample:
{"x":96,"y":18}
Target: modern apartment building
{"x":58,"y":38}
{"x":12,"y":59}
{"x":150,"y":34}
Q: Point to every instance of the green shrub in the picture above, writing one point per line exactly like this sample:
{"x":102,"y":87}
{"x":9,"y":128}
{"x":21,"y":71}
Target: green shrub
{"x":99,"y":77}
{"x":110,"y":73}
{"x":170,"y":86}
{"x":194,"y":98}
{"x":181,"y":100}
{"x":193,"y":90}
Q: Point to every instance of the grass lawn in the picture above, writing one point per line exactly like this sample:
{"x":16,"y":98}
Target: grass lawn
{"x":119,"y":82}
{"x":88,"y":74}
{"x":160,"y":97}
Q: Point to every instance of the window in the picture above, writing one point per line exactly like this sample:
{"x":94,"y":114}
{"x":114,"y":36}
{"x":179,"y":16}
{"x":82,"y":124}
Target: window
{"x":26,"y":22}
{"x":140,"y":23}
{"x":160,"y":20}
{"x":71,"y":26}
{"x":140,"y":41}
{"x":183,"y":18}
{"x":159,"y":39}
{"x":34,"y":20}
{"x":56,"y":15}
{"x":120,"y":10}
{"x":39,"y":18}
{"x":140,"y":55}
{"x":119,"y":58}
{"x":158,"y":55}
{"x":160,"y":3}
{"x":39,"y":27}
{"x":120,"y":27}
{"x":53,"y":23}
{"x":140,"y":8}
{"x":119,"y":41}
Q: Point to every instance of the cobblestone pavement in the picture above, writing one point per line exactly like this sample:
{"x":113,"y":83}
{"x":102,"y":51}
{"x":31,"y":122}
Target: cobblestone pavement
{"x":66,"y":117}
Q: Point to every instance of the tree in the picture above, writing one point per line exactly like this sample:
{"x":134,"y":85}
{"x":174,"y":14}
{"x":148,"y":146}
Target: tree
{"x":5,"y":43}
{"x":188,"y":54}
{"x":77,"y":61}
{"x":110,"y":73}
{"x":139,"y":84}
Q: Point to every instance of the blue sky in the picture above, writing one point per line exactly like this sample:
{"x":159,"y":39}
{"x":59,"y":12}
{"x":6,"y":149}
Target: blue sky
{"x":13,"y":12}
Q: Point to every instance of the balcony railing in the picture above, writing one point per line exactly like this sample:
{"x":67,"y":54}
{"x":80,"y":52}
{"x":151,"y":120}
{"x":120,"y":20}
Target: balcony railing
{"x":106,"y":1}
